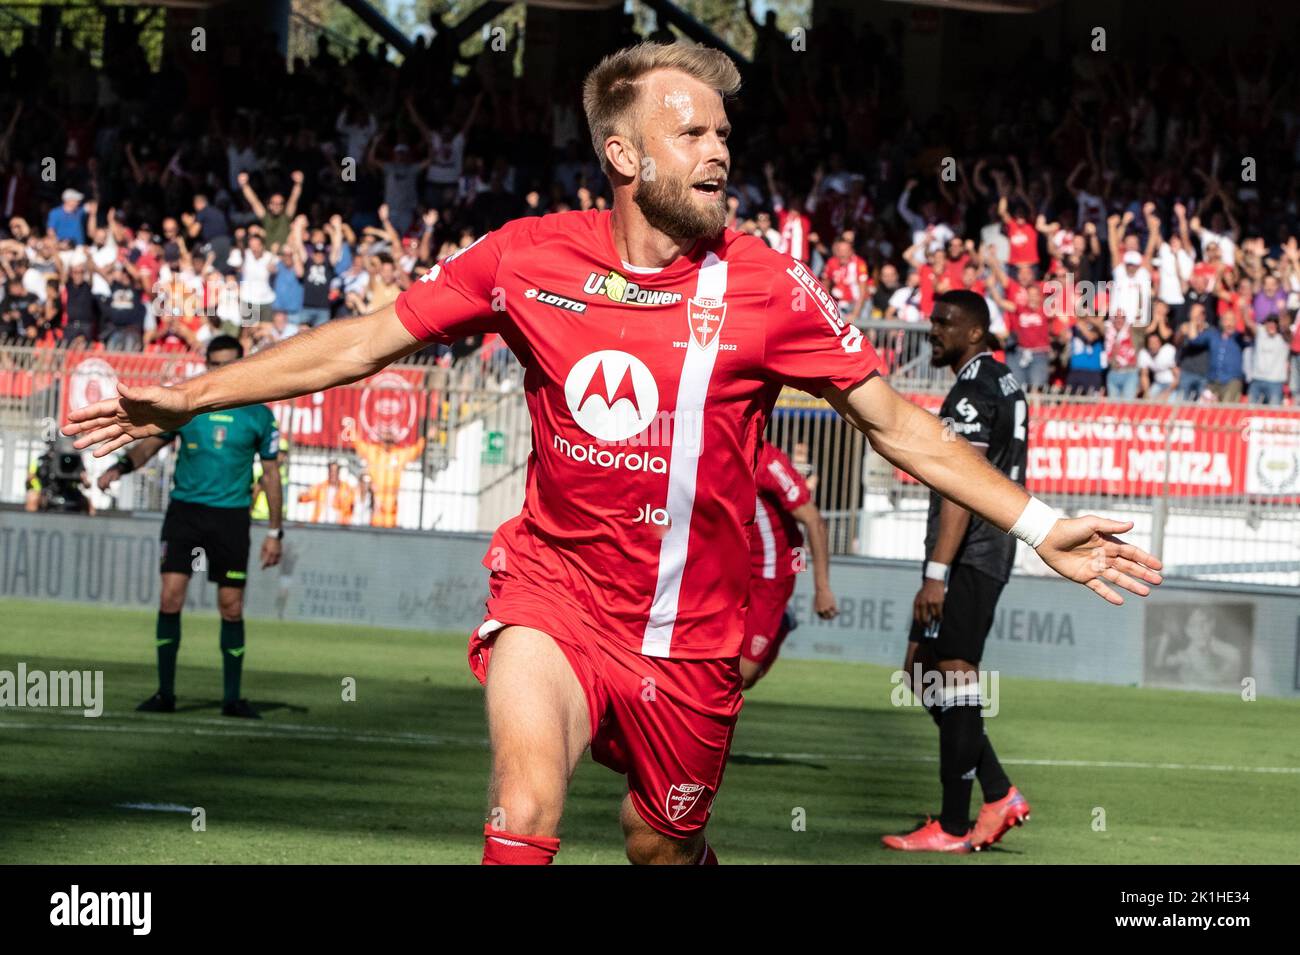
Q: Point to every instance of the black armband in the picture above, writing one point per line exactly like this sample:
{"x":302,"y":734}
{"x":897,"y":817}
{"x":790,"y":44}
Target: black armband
{"x":125,"y":465}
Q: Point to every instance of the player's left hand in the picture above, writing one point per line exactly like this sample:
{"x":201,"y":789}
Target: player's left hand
{"x":270,"y":552}
{"x":824,"y":604}
{"x":1087,"y":551}
{"x":928,"y":605}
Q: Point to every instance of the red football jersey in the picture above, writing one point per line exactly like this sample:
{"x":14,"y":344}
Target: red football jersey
{"x":795,"y":228}
{"x":1023,"y":238}
{"x":929,"y":280}
{"x":845,"y":277}
{"x":777,"y":534}
{"x":648,"y":392}
{"x":1032,"y":330}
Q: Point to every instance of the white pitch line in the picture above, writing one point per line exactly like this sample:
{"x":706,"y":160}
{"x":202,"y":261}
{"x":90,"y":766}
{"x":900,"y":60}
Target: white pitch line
{"x":154,"y":807}
{"x":1062,"y":763}
{"x":221,"y":728}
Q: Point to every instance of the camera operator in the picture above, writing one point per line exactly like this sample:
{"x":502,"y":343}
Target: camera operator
{"x":57,"y":479}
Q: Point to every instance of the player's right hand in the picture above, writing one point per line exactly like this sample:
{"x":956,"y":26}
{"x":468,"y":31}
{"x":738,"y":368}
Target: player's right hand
{"x":1086,"y":550}
{"x":135,"y":413}
{"x":928,"y":605}
{"x":107,"y":478}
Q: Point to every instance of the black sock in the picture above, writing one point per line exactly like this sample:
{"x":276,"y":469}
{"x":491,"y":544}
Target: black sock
{"x":993,"y":780}
{"x":167,"y":638}
{"x":232,"y":658}
{"x":961,"y":737}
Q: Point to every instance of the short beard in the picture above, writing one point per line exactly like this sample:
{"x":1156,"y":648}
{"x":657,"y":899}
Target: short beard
{"x":946,"y":359}
{"x":668,"y":206}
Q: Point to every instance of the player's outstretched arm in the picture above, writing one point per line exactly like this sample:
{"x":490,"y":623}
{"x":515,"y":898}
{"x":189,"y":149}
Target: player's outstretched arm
{"x":1084,"y":549}
{"x":336,"y":353}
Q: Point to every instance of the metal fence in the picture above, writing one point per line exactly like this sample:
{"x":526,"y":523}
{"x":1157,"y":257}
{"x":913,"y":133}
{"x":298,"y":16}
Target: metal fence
{"x":1213,"y":489}
{"x":458,"y":435}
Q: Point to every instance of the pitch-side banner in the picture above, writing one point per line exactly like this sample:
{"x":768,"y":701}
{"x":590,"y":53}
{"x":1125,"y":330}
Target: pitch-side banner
{"x":391,"y":405}
{"x":1151,"y":450}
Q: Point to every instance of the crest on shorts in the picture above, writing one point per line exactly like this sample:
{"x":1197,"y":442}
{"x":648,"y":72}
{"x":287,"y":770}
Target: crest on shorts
{"x":682,"y":799}
{"x":704,"y":316}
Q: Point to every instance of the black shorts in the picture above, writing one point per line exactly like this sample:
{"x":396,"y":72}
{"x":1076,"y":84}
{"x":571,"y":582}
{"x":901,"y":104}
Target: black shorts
{"x":196,"y":537}
{"x":968,"y":608}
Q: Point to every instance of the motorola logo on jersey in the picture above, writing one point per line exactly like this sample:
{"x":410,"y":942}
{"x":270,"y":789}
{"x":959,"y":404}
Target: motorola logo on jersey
{"x":617,"y":288}
{"x":612,"y":395}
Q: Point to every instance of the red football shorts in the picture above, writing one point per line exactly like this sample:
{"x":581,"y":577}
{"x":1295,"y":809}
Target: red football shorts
{"x":666,"y":724}
{"x":765,"y":629}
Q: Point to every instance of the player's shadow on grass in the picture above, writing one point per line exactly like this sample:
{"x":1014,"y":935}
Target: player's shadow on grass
{"x":999,"y":849}
{"x":262,"y":706}
{"x":199,"y":706}
{"x":269,"y":706}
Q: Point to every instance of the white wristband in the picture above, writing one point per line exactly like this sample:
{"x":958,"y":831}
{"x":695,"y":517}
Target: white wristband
{"x":1035,"y":523}
{"x":935,"y":570}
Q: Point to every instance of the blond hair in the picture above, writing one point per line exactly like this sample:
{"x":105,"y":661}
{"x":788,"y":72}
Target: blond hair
{"x":611,"y":89}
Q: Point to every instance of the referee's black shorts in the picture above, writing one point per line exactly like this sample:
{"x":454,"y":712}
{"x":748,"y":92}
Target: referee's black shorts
{"x":968,"y":608}
{"x":196,"y":537}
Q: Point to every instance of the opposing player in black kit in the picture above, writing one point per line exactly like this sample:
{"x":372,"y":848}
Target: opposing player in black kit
{"x":967,"y":564}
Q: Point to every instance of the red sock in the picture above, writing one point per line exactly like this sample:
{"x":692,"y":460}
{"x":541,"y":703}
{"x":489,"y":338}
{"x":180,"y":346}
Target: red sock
{"x":710,"y":857}
{"x":507,"y":848}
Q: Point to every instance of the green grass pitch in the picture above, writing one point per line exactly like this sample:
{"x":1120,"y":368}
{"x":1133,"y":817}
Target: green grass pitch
{"x":400,"y":774}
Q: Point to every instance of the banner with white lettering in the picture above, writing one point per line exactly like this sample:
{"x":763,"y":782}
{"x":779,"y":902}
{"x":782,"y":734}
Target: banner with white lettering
{"x":1152,"y":450}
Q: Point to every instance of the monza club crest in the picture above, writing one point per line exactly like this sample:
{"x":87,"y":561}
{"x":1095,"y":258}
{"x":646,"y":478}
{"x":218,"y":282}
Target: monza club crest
{"x":704,"y":316}
{"x":682,"y":798}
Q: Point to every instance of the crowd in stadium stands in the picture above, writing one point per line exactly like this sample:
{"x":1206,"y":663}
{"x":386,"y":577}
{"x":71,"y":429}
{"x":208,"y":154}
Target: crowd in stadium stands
{"x":1132,"y":229}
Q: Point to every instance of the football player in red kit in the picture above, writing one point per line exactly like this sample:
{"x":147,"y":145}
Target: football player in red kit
{"x":655,"y":343}
{"x":776,"y":554}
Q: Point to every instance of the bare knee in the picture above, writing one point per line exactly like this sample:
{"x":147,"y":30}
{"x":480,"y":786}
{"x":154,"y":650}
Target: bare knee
{"x":172,"y":599}
{"x":658,"y":849}
{"x":230,"y":604}
{"x":647,"y":846}
{"x":529,"y":781}
{"x":518,"y":806}
{"x":172,"y":595}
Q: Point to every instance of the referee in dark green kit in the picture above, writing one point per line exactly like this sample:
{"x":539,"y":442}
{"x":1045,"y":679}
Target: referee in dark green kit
{"x":208,"y":523}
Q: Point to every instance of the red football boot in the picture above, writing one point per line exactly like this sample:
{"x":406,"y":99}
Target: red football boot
{"x":996,"y":818}
{"x":929,"y":837}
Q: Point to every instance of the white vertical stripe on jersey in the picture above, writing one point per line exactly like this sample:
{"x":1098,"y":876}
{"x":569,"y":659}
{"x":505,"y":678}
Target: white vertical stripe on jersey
{"x":764,"y":524}
{"x":692,"y":390}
